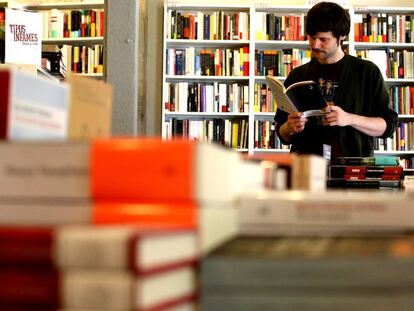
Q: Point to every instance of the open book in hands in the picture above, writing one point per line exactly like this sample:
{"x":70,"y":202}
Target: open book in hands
{"x":303,"y":96}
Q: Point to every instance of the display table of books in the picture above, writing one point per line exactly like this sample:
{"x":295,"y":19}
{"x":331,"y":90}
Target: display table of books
{"x":319,"y":251}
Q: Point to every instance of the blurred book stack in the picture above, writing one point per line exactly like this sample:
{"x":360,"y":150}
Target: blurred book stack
{"x":78,"y":190}
{"x":97,"y":268}
{"x":315,"y":250}
{"x":144,"y":182}
{"x":366,"y":172}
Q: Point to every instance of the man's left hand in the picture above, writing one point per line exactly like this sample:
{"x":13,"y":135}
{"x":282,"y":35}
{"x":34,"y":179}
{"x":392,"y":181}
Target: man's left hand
{"x":335,"y":116}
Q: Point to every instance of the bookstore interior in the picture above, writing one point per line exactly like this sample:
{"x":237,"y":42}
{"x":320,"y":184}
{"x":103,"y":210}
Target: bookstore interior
{"x":182,"y":196}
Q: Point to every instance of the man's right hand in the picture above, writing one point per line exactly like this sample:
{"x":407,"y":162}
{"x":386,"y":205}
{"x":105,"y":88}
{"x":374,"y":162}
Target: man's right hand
{"x":295,"y":124}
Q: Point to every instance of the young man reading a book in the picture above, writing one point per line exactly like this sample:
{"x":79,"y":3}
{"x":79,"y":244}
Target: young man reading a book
{"x":354,"y":89}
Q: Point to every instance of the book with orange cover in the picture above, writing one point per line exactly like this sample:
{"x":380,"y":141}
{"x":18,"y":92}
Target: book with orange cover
{"x":149,"y":168}
{"x":123,"y":168}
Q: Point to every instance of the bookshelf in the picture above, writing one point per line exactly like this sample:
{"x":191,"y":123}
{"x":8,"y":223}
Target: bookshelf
{"x":189,"y":69}
{"x":385,"y":35}
{"x":76,"y":29}
{"x":292,"y":50}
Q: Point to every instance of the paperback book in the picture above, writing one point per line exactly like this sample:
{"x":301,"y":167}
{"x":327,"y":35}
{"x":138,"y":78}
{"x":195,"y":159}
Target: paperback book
{"x":303,"y":96}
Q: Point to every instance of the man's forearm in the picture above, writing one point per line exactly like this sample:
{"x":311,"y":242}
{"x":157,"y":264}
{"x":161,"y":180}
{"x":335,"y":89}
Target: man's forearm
{"x":372,"y":126}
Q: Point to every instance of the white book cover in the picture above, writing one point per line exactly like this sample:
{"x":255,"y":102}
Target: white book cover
{"x":23,"y":35}
{"x":326,"y":212}
{"x":38,"y":108}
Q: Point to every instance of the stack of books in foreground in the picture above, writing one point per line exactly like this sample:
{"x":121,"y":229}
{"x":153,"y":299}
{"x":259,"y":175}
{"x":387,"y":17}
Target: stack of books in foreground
{"x":114,"y":224}
{"x":365,"y":172}
{"x":97,"y":268}
{"x":321,"y":251}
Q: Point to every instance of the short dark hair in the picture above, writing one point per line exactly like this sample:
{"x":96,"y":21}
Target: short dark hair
{"x":328,"y":16}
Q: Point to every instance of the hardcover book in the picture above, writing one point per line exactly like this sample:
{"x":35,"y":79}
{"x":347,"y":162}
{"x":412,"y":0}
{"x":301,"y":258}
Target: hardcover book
{"x":216,"y":222}
{"x":143,"y":168}
{"x":303,"y":96}
{"x":371,"y":161}
{"x":339,"y":171}
{"x":32,"y":107}
{"x":97,"y":289}
{"x":327,"y":212}
{"x":92,"y":247}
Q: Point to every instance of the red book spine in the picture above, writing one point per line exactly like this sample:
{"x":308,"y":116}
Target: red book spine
{"x":391,"y":177}
{"x":354,"y":176}
{"x":19,"y":246}
{"x":393,"y":170}
{"x":5,"y":77}
{"x":355,"y":170}
{"x":246,"y":62}
{"x":102,"y":24}
{"x":26,"y":288}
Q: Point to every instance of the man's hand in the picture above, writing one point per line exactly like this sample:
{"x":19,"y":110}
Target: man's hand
{"x":295,"y":124}
{"x":335,"y":116}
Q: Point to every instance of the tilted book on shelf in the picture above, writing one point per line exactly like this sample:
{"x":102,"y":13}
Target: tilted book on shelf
{"x":303,"y":96}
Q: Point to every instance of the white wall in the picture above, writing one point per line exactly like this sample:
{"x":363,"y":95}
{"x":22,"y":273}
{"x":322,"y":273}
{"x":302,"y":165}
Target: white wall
{"x":154,"y":48}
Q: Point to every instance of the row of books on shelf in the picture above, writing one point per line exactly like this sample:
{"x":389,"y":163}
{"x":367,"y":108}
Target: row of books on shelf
{"x":279,"y":62}
{"x":216,"y":25}
{"x":88,"y":59}
{"x":273,"y":26}
{"x":265,"y":135}
{"x":383,"y":27}
{"x":234,"y":97}
{"x":73,"y":23}
{"x":206,"y":97}
{"x":392,"y":63}
{"x":230,"y":133}
{"x":233,"y":62}
{"x":208,"y":62}
{"x":402,"y":140}
{"x":402,"y":99}
{"x":263,"y":99}
{"x":407,"y":162}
